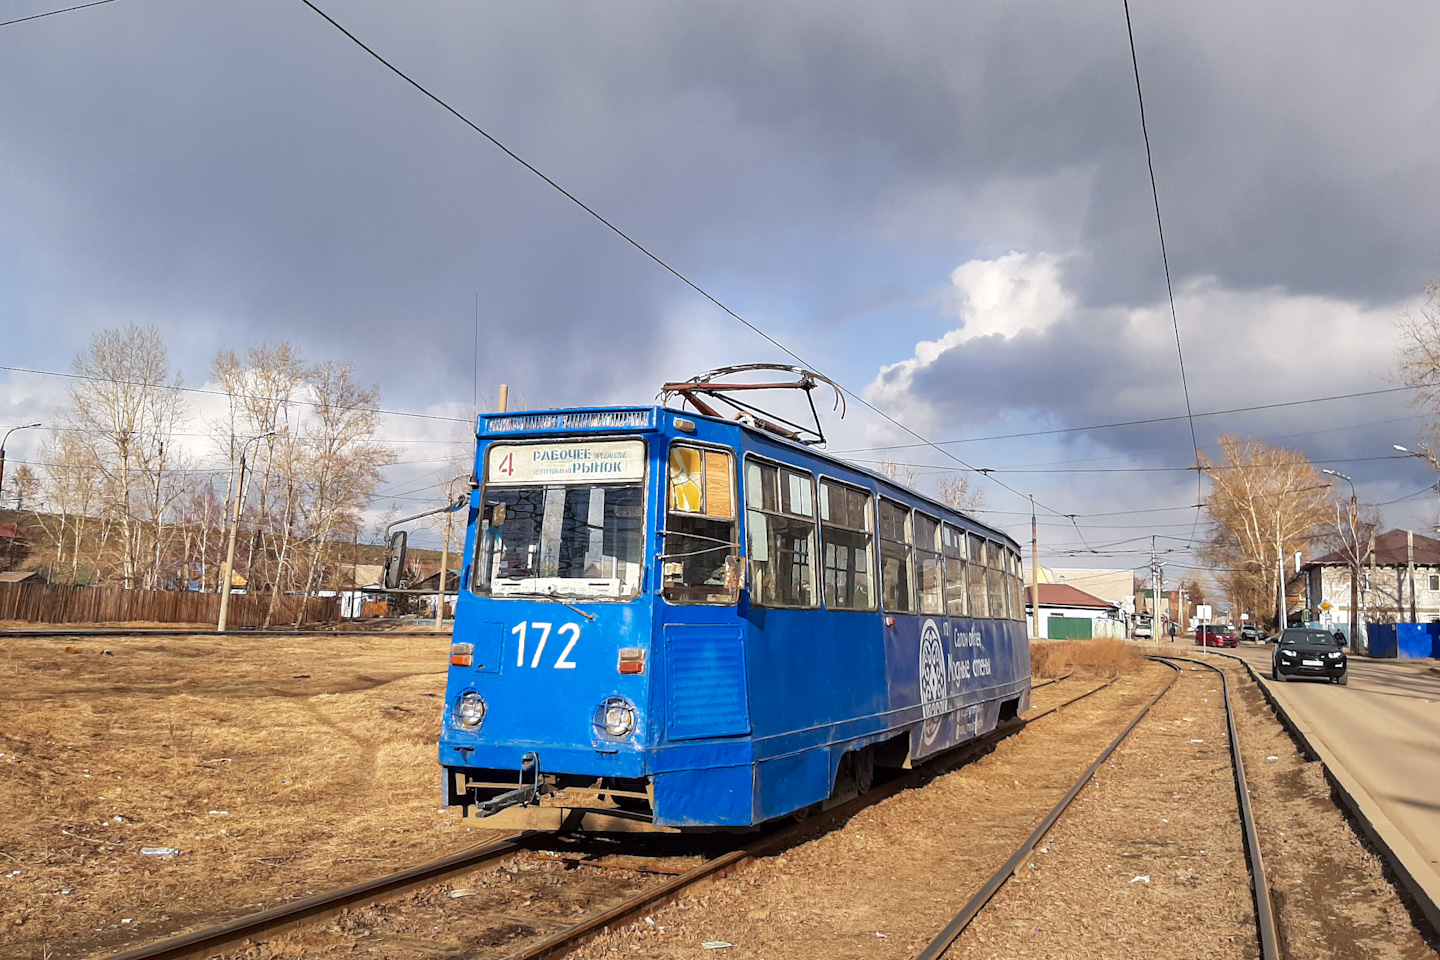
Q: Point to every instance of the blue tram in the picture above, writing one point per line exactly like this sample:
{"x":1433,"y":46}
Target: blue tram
{"x":671,"y":621}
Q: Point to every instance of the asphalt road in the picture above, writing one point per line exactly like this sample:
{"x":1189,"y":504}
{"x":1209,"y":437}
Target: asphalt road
{"x":1384,"y":729}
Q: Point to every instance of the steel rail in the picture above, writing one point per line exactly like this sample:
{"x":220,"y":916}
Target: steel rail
{"x":1260,"y":886}
{"x":1046,"y":683}
{"x":567,"y":939}
{"x":211,"y":938}
{"x":955,"y":927}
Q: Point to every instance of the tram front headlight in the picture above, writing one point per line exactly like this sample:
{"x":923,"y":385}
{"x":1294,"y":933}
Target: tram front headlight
{"x":470,"y":709}
{"x":616,"y":717}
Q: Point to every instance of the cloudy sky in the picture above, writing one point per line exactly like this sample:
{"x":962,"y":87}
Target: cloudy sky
{"x":944,"y":206}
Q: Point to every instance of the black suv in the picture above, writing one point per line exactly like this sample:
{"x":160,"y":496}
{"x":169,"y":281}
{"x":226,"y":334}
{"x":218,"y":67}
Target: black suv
{"x":1302,"y":652}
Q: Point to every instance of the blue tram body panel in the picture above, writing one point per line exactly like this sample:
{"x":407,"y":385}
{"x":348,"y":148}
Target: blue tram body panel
{"x":730,"y":713}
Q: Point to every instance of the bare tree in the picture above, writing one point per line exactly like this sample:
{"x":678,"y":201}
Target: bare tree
{"x":1418,"y":365}
{"x":72,"y":491}
{"x":1264,"y":503}
{"x":263,"y":390}
{"x":958,"y":493}
{"x":341,"y":461}
{"x":124,"y":412}
{"x":24,"y":486}
{"x":900,"y":474}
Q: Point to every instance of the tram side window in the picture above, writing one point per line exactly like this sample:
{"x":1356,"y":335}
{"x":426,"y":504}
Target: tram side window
{"x":1017,"y":587}
{"x":780,"y":521}
{"x":956,"y":589}
{"x":979,"y":592}
{"x":701,"y":562}
{"x":996,"y":578}
{"x":929,"y":570}
{"x":895,"y":557}
{"x":847,"y":547}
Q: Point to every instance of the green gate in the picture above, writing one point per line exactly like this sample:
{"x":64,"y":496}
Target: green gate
{"x":1069,"y":628}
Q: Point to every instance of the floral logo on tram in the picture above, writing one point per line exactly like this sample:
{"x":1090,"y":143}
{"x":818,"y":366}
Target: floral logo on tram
{"x":934,"y":681}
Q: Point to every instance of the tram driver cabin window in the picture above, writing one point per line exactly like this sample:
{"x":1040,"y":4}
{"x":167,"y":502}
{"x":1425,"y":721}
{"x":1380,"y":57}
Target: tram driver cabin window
{"x":780,"y":527}
{"x":701,"y":562}
{"x":895,"y":557}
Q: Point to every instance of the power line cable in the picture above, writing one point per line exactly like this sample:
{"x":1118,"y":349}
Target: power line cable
{"x":52,"y":13}
{"x":1130,"y":423}
{"x":656,"y":258}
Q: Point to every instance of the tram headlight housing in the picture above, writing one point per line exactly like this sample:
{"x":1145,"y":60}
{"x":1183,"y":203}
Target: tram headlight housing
{"x":616,"y":718}
{"x":470,"y":709}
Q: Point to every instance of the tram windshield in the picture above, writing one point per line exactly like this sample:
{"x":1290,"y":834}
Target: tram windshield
{"x":576,"y":540}
{"x":562,"y":519}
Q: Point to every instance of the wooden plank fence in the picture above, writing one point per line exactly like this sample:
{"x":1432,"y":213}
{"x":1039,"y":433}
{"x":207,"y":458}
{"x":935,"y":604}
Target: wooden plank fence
{"x":58,"y":603}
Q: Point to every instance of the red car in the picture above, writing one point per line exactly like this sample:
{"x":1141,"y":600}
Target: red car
{"x":1215,"y":635}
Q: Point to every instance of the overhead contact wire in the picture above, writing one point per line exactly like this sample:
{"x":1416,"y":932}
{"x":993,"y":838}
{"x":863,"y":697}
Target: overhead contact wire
{"x":656,"y":258}
{"x":1165,"y":261}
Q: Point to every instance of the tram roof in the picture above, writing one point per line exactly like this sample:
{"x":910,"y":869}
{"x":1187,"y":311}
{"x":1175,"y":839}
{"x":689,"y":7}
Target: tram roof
{"x":583,"y":421}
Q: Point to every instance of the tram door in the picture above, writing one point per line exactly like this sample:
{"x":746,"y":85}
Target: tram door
{"x":702,"y":571}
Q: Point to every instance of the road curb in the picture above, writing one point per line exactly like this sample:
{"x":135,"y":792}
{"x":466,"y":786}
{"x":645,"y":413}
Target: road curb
{"x":1407,"y":863}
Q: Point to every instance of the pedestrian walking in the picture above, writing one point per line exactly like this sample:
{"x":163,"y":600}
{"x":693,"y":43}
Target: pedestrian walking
{"x":1172,"y":631}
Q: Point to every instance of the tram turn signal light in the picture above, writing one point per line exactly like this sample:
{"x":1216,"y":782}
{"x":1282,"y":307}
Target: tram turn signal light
{"x":632,"y":660}
{"x":462,"y":654}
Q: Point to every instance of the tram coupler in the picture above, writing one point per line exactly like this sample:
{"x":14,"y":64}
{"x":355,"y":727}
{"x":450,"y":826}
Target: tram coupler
{"x":524,"y":794}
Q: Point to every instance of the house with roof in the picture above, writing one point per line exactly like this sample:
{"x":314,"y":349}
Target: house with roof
{"x":1398,"y":581}
{"x":1069,"y":613}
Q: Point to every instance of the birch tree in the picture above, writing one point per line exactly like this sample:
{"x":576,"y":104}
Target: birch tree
{"x":958,"y":493}
{"x":1264,"y":504}
{"x":124,"y":413}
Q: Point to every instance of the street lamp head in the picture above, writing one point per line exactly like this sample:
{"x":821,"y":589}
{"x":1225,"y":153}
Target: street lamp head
{"x":1400,"y":448}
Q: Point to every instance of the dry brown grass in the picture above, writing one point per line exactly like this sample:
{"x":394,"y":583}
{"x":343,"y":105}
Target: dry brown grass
{"x":277,"y":765}
{"x":1097,"y":658}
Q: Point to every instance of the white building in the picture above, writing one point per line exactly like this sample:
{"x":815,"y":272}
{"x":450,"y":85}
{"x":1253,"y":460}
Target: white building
{"x":1398,"y":582}
{"x":1067,"y":613}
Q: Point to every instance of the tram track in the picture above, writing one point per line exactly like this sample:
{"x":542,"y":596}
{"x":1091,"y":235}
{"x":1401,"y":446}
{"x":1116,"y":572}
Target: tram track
{"x":1266,"y":934}
{"x":669,"y":884}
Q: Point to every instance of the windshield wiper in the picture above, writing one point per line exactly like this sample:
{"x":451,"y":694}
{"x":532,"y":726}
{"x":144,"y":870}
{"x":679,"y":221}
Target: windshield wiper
{"x":554,"y":597}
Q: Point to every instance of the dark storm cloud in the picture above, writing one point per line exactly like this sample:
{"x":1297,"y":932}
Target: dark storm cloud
{"x":242,"y":172}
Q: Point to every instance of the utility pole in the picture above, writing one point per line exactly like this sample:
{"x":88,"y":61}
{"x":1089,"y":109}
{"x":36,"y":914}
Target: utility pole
{"x":1280,"y":623}
{"x":1154,"y":595}
{"x":1410,"y":571}
{"x":444,"y":574}
{"x":228,"y":570}
{"x":1034,"y":571}
{"x":1159,"y":595}
{"x":1354,"y":559}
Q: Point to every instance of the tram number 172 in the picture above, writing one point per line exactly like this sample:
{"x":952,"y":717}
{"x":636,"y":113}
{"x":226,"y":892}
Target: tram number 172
{"x":563,"y":662}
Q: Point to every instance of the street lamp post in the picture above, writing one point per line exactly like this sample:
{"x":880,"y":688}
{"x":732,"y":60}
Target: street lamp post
{"x":227,"y":571}
{"x":1429,"y":458}
{"x":1354,"y":559}
{"x":23,"y":426}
